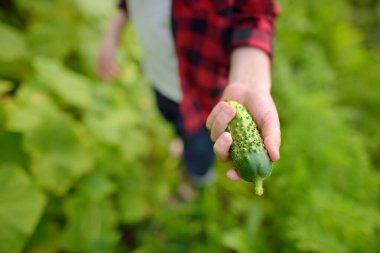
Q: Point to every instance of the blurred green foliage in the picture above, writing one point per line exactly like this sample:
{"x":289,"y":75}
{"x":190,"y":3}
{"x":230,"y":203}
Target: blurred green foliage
{"x":84,"y":166}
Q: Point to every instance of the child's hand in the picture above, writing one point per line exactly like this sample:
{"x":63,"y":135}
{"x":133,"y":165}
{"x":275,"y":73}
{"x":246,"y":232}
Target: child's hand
{"x":261,"y":106}
{"x":108,"y":68}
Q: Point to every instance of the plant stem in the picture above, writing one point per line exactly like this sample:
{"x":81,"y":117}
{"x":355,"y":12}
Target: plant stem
{"x":259,"y":190}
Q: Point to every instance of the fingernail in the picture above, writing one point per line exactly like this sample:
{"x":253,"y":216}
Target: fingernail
{"x":228,"y":110}
{"x":276,"y":156}
{"x":232,"y":174}
{"x":222,"y":142}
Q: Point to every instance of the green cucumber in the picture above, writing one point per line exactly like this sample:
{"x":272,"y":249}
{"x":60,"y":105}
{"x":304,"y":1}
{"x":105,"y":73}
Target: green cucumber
{"x":247,"y":151}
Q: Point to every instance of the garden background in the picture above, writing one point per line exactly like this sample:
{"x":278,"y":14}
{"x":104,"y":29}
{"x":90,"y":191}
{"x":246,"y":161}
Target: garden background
{"x":84,"y":165}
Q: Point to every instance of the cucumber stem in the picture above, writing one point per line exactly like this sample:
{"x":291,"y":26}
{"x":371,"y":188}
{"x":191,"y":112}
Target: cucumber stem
{"x":259,"y":190}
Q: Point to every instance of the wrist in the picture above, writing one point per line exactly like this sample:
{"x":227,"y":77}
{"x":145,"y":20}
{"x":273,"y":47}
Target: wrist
{"x":250,"y":87}
{"x":251,"y":67}
{"x":243,"y":92}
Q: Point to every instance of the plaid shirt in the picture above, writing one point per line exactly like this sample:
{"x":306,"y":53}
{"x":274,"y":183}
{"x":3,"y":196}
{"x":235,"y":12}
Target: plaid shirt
{"x":205,"y":32}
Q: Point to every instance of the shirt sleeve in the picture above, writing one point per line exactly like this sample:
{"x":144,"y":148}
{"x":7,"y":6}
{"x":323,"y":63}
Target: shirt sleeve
{"x":253,"y":24}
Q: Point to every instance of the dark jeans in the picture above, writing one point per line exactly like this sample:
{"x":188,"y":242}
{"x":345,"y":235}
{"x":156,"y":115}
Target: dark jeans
{"x":198,"y":148}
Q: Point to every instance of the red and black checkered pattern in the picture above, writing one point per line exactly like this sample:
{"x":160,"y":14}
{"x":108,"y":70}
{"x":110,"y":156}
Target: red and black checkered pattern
{"x":205,"y":32}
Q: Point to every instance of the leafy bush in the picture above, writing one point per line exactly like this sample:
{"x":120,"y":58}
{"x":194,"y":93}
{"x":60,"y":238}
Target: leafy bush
{"x":84,"y":166}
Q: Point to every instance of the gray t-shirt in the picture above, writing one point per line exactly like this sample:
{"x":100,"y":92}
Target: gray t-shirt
{"x":152,"y":21}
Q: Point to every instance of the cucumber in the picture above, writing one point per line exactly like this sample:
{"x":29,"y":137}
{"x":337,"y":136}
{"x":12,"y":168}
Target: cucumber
{"x":247,"y":150}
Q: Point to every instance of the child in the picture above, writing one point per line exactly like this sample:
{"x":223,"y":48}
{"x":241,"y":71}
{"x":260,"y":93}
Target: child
{"x":196,"y":54}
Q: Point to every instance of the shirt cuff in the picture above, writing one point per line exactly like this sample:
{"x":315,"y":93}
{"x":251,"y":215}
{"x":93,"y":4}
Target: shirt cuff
{"x":248,"y":37}
{"x":255,"y":29}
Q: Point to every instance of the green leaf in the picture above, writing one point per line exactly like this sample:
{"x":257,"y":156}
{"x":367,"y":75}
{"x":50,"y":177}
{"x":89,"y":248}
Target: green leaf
{"x":333,"y":224}
{"x":237,"y":240}
{"x":96,"y":185}
{"x":74,"y":89}
{"x":132,"y":201}
{"x":21,"y":206}
{"x":5,"y":86}
{"x":59,"y":156}
{"x":14,"y":60}
{"x":91,"y":226}
{"x":120,"y":123}
{"x":93,"y":9}
{"x":37,"y":8}
{"x":46,"y":237}
{"x":59,"y":43}
{"x":13,"y":45}
{"x":57,"y":146}
{"x":91,"y":216}
{"x":11,"y":151}
{"x":29,"y":109}
{"x":55,"y":143}
{"x":114,"y":125}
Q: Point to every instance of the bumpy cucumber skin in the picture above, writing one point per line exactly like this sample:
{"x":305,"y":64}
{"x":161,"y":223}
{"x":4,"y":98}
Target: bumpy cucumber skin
{"x":247,"y":151}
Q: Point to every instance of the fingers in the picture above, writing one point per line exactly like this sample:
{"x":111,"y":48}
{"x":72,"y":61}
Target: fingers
{"x":265,"y":115}
{"x":107,"y":66}
{"x":107,"y":70}
{"x":221,"y":150}
{"x":219,"y":118}
{"x":113,"y":70}
{"x":222,"y":146}
{"x":215,"y":111}
{"x":233,"y":175}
